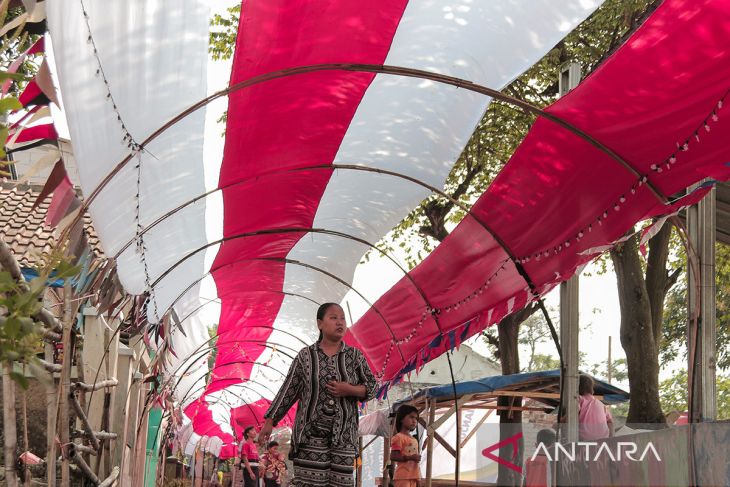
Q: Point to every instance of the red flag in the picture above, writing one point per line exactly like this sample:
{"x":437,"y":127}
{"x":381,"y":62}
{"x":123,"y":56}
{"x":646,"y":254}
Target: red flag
{"x":63,"y":196}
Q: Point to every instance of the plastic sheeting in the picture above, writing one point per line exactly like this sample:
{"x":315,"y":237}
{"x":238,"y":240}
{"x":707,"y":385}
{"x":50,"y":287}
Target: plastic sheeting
{"x":515,"y":382}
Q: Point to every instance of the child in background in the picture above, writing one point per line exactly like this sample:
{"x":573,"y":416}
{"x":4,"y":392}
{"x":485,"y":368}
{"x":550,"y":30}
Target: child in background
{"x":250,"y":458}
{"x":404,"y":448}
{"x":272,"y":465}
{"x":594,"y":418}
{"x":537,"y":470}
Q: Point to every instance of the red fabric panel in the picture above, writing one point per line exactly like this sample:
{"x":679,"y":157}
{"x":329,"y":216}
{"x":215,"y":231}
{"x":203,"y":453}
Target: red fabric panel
{"x":286,"y":123}
{"x":559,"y":195}
{"x":47,"y":131}
{"x":33,"y":95}
{"x":63,"y":196}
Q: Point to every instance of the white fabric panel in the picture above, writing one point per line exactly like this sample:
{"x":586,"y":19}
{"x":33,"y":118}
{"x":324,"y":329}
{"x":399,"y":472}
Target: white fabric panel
{"x":420,"y":127}
{"x":191,"y":344}
{"x":136,"y":43}
{"x":192,"y":444}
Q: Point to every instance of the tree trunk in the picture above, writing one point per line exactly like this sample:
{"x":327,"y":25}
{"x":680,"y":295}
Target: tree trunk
{"x":638,"y":336}
{"x":509,"y":421}
{"x":9,"y":426}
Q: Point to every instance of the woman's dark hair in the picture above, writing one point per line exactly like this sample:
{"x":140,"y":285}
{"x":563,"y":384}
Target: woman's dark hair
{"x":272,"y":444}
{"x":403,"y":411}
{"x":585,"y":384}
{"x":321,"y":311}
{"x":245,"y":432}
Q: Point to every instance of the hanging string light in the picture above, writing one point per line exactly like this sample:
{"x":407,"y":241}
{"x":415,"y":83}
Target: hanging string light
{"x":136,"y":148}
{"x":434,"y":312}
{"x":682,"y":146}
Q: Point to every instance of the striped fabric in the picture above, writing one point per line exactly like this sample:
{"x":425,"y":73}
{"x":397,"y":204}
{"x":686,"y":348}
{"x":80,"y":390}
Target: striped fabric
{"x":281,"y":230}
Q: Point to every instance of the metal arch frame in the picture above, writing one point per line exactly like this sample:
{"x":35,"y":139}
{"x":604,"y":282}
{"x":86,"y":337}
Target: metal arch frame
{"x":407,"y":72}
{"x":218,"y":300}
{"x":204,"y":349}
{"x":367,"y":68}
{"x":149,"y":396}
{"x":393,"y":70}
{"x":308,"y":266}
{"x":246,"y":403}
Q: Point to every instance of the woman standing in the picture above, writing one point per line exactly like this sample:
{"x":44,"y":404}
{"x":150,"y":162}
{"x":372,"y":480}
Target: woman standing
{"x":329,"y":379}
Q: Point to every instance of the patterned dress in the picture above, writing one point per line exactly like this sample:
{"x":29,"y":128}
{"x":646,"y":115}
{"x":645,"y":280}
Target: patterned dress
{"x":324,"y":437}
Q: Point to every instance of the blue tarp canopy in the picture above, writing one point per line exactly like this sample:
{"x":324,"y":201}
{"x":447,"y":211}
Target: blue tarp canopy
{"x":543,"y":381}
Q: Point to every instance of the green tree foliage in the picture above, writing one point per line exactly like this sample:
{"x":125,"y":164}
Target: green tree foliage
{"x":223,"y":31}
{"x":20,"y":337}
{"x":212,"y":334}
{"x":673,"y":393}
{"x":619,"y":372}
{"x":674,"y":339}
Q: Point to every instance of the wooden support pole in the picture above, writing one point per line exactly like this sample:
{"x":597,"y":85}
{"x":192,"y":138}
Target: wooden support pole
{"x":78,"y":460}
{"x":109,"y":481}
{"x":701,"y":226}
{"x":50,"y":367}
{"x":88,"y":430}
{"x":121,"y":401}
{"x":569,"y":329}
{"x":429,"y":444}
{"x":101,"y":435}
{"x":85,"y":449}
{"x":80,"y":386}
{"x":51,"y":422}
{"x":438,"y":438}
{"x":386,"y":461}
{"x":65,"y":385}
{"x":476,"y":428}
{"x":457,"y":471}
{"x":9,"y":425}
{"x":359,"y":463}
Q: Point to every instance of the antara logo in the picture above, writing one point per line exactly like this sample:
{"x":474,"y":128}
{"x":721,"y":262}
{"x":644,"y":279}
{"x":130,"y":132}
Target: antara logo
{"x":592,"y":451}
{"x":622,"y":449}
{"x":515,"y":442}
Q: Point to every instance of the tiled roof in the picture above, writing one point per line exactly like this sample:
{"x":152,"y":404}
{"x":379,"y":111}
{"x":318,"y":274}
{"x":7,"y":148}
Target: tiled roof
{"x":24,"y":229}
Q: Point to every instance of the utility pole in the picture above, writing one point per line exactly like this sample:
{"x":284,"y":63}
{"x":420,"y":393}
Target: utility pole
{"x":569,"y":305}
{"x":610,"y":365}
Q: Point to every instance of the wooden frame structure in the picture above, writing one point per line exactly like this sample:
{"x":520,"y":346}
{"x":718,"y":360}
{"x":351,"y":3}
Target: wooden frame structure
{"x":435,"y":411}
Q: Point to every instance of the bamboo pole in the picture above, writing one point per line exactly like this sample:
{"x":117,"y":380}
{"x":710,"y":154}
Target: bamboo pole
{"x":85,"y":422}
{"x":63,"y":425}
{"x":51,"y":420}
{"x":26,"y":446}
{"x":429,"y":442}
{"x":359,"y":445}
{"x":457,"y":471}
{"x":83,"y":465}
{"x":109,"y":481}
{"x":386,"y":461}
{"x":9,"y":428}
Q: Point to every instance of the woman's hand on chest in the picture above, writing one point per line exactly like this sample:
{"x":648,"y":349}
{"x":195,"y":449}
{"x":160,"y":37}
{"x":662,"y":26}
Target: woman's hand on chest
{"x":340,"y":389}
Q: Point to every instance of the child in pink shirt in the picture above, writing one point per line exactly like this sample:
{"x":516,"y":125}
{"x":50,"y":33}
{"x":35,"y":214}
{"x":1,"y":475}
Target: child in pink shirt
{"x":594,"y":418}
